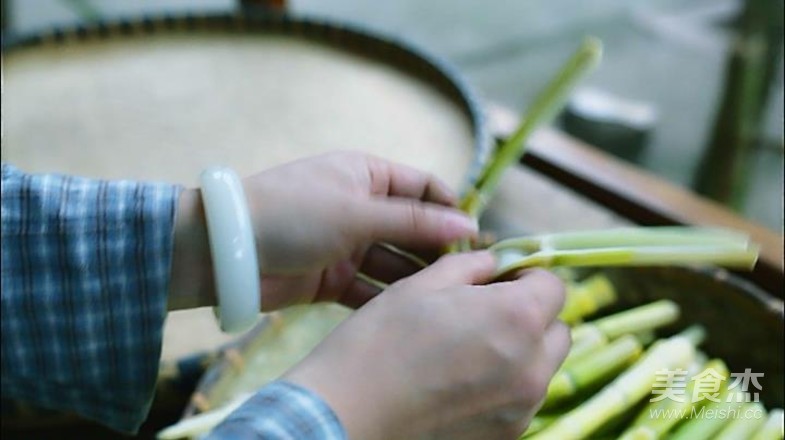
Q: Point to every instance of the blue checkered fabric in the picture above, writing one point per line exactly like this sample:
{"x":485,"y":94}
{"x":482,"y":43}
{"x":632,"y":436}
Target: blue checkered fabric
{"x":85,"y":272}
{"x":281,"y":411}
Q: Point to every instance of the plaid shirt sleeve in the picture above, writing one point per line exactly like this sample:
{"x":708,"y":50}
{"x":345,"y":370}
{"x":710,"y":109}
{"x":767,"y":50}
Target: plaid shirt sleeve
{"x":85,"y":273}
{"x":281,"y":411}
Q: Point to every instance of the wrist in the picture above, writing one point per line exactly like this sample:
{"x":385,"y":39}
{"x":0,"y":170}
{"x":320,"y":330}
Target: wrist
{"x":192,"y":283}
{"x":362,"y":412}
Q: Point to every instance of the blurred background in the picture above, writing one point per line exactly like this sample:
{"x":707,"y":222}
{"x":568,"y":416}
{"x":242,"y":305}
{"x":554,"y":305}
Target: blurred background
{"x":690,"y":90}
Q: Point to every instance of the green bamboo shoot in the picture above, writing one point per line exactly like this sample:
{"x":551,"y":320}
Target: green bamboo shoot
{"x":658,"y":418}
{"x":592,"y":368}
{"x":544,"y":108}
{"x":585,"y":298}
{"x":627,"y":247}
{"x":584,"y":343}
{"x":621,"y":394}
{"x":646,"y":317}
{"x":774,"y":428}
{"x":538,"y":423}
{"x":750,"y":418}
{"x":712,"y":417}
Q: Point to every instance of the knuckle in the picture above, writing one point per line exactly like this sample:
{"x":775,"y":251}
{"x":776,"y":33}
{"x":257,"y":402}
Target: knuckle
{"x":528,"y":317}
{"x":533,"y":387}
{"x":564,"y":337}
{"x":415,"y":216}
{"x":563,"y":330}
{"x":510,"y":429}
{"x":549,"y":282}
{"x":464,"y":261}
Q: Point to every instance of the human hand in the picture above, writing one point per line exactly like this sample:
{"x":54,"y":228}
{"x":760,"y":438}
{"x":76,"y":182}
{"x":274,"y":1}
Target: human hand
{"x":437,"y":355}
{"x":317,"y":222}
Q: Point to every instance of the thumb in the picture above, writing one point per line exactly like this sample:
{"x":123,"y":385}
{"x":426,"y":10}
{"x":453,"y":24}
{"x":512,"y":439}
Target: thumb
{"x":416,"y":224}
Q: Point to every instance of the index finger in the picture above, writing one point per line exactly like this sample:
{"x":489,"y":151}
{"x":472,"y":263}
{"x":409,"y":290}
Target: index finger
{"x":452,"y":270}
{"x":398,"y":180}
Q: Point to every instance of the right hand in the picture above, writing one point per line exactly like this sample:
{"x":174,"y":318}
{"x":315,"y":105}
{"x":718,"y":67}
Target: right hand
{"x":439,"y":354}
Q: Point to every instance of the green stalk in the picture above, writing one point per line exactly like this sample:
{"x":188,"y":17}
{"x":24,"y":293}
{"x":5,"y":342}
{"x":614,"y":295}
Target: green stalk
{"x":621,"y":394}
{"x":635,"y":320}
{"x":584,"y":343}
{"x":538,"y":423}
{"x":372,"y":281}
{"x":592,"y":368}
{"x":509,"y":261}
{"x":774,"y":428}
{"x":628,"y":237}
{"x":695,"y":333}
{"x":646,"y":337}
{"x":745,"y":424}
{"x":413,"y":259}
{"x":585,"y":298}
{"x":702,"y":427}
{"x":627,"y":247}
{"x":647,"y":426}
{"x":543,"y":109}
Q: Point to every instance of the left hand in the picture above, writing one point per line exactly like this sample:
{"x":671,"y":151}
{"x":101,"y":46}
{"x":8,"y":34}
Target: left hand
{"x":316,"y":221}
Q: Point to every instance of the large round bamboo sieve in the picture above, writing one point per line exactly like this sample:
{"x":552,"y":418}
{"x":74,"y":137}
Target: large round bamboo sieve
{"x":161,"y":99}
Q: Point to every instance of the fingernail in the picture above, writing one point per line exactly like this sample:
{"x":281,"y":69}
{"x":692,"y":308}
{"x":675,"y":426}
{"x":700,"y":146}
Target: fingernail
{"x":461,"y":223}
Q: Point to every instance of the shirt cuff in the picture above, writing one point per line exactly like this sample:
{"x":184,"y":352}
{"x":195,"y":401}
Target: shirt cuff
{"x":85,"y":279}
{"x":281,"y":410}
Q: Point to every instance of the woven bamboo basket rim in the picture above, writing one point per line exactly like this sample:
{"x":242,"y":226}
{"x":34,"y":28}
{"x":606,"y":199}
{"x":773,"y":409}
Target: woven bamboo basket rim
{"x":350,"y":37}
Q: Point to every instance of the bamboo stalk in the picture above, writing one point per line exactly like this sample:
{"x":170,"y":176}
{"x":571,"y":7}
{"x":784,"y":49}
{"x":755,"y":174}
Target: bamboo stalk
{"x":585,"y":298}
{"x":372,"y":281}
{"x":695,"y":333}
{"x":628,"y":237}
{"x":513,"y":260}
{"x":543,"y":109}
{"x":648,"y":426}
{"x":627,"y":247}
{"x":583,"y":344}
{"x":646,"y":337}
{"x":538,"y":423}
{"x":745,"y":424}
{"x":621,"y":394}
{"x":593,"y":368}
{"x":414,"y":259}
{"x":635,"y":320}
{"x":705,"y":428}
{"x":773,"y":428}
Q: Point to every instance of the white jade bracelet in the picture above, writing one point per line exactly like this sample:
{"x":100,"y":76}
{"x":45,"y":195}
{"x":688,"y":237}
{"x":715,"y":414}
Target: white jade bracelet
{"x":233,"y":249}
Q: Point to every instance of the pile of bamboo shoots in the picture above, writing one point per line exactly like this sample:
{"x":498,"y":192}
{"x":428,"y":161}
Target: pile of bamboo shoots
{"x":615,"y":381}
